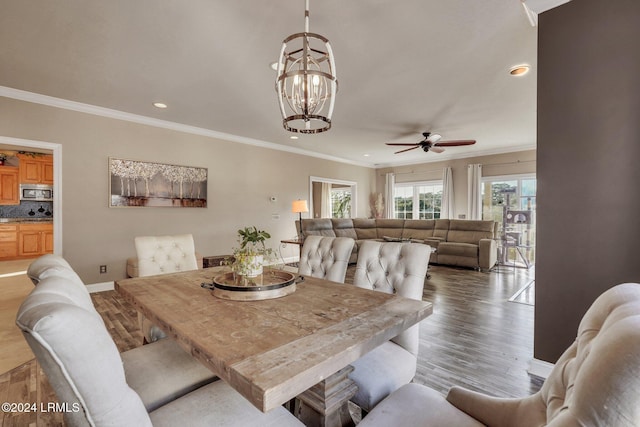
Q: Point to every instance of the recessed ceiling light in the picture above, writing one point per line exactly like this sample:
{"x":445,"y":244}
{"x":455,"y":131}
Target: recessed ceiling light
{"x":160,"y":105}
{"x":293,"y":137}
{"x":366,"y":155}
{"x":519,"y":70}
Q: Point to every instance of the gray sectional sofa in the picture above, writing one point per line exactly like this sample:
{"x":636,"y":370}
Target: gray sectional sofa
{"x":457,"y":242}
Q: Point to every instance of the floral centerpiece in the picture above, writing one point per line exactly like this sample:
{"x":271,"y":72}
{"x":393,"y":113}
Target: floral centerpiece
{"x":250,"y":257}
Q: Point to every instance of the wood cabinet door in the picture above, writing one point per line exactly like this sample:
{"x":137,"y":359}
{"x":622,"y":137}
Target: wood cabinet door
{"x":30,"y":243}
{"x":9,"y":193}
{"x":47,"y":172}
{"x":47,"y":242}
{"x":30,"y":171}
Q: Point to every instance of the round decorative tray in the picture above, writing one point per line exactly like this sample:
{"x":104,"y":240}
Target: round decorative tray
{"x":270,"y":284}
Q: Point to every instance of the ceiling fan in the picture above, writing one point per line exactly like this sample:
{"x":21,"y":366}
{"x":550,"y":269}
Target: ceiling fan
{"x":430,"y":143}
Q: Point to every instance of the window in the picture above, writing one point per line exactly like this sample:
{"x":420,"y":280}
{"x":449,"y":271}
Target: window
{"x":501,"y":196}
{"x":418,"y":200}
{"x":341,"y":202}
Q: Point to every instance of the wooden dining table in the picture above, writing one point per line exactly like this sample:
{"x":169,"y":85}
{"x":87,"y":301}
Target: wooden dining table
{"x":273,"y":350}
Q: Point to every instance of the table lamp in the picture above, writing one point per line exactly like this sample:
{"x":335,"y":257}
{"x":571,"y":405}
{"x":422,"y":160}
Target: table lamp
{"x":299,"y":206}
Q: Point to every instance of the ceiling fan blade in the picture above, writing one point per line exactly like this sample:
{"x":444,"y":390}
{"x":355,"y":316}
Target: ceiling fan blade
{"x":406,"y":149}
{"x":402,"y":143}
{"x":455,"y":143}
{"x":433,"y":138}
{"x":436,"y":149}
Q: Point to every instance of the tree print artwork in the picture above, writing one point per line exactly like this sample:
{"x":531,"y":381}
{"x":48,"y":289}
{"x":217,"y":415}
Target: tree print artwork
{"x":135,"y":183}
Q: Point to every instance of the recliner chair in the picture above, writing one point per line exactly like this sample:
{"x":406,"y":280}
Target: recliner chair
{"x":595,"y":383}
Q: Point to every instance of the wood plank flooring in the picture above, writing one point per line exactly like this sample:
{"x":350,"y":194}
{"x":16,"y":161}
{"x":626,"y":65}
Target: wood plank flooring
{"x":14,"y":287}
{"x":476,"y":338}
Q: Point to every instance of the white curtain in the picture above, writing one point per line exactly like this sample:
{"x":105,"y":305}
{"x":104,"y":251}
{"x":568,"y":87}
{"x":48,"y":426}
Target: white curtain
{"x":448,"y":206}
{"x":390,"y":183}
{"x":474,"y":195}
{"x":325,"y":195}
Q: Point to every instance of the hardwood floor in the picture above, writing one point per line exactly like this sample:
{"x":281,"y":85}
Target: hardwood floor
{"x":475,"y":338}
{"x":15,"y":286}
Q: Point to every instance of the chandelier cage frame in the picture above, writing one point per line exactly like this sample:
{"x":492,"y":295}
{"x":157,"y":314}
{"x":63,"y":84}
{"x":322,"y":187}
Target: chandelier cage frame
{"x":306,"y":82}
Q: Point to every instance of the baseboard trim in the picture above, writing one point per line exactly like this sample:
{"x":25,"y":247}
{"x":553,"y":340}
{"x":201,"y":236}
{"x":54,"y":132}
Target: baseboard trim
{"x":100,"y":287}
{"x":540,"y":368}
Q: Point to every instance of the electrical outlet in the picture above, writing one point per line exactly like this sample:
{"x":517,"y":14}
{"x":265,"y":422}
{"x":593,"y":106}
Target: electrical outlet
{"x":103,"y":269}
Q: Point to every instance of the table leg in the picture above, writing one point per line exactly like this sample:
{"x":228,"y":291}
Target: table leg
{"x":326,"y":404}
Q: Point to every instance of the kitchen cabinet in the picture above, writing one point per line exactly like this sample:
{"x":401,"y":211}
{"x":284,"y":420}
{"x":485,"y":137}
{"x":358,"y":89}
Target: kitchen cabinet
{"x":36,"y":170}
{"x":8,"y":240}
{"x":9,"y":193}
{"x":35,"y":239}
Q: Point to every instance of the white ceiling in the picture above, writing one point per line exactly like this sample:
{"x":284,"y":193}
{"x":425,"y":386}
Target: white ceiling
{"x":403,"y":67}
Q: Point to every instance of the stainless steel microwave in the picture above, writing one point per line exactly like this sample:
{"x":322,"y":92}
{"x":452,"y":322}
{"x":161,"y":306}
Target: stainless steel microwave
{"x":36,"y":192}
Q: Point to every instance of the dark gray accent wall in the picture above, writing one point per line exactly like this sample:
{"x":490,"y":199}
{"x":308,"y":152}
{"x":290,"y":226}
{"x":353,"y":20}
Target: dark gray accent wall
{"x":588,"y":159}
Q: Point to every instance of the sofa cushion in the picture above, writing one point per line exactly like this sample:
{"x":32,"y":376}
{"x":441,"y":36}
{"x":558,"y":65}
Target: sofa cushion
{"x":343,"y":227}
{"x":389,"y":228}
{"x":318,"y":227}
{"x":441,"y":228}
{"x":462,"y":231}
{"x":365,"y":228}
{"x":458,"y":249}
{"x":418,"y":229}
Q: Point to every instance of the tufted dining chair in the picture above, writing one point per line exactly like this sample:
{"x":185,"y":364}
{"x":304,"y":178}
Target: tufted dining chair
{"x":162,"y":255}
{"x":325,"y":257}
{"x":596,"y":382}
{"x":394,"y":268}
{"x":156,"y":384}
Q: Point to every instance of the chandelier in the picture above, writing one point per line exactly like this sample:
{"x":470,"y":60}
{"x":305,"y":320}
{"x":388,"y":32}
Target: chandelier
{"x":306,"y":82}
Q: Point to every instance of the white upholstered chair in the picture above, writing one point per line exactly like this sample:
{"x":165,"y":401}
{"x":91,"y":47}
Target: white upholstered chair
{"x":325,"y":257}
{"x":48,"y":265}
{"x":162,"y":255}
{"x":156,"y":384}
{"x":165,"y":254}
{"x":596,"y":382}
{"x":394,"y":268}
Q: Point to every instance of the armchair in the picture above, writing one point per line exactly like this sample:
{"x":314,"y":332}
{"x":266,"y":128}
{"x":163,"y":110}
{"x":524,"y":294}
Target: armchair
{"x":596,"y":381}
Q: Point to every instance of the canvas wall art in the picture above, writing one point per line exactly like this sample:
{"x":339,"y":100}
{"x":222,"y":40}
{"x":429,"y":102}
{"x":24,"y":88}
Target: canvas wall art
{"x":135,"y":183}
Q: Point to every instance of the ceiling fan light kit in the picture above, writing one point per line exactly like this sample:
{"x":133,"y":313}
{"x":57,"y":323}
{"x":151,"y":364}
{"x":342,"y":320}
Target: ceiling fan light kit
{"x":306,"y":81}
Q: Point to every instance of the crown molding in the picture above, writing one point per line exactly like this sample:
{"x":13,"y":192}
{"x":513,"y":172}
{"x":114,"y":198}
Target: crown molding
{"x":65,"y":104}
{"x":539,"y":6}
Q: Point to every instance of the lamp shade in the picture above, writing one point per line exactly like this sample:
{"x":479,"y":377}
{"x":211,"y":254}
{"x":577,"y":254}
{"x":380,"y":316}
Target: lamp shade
{"x":299,"y":206}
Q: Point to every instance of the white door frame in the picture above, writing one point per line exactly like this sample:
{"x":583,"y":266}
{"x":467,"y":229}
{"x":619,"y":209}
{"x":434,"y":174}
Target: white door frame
{"x":57,"y":179}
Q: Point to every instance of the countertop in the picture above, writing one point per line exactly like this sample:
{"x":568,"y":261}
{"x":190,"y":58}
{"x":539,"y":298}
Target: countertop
{"x":23,"y":220}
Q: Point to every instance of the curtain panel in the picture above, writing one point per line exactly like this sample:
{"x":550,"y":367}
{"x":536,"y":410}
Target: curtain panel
{"x":474,"y":195}
{"x":390,"y":182}
{"x":448,"y":207}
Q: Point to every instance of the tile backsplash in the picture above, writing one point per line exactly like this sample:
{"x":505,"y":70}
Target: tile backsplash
{"x":27,"y":209}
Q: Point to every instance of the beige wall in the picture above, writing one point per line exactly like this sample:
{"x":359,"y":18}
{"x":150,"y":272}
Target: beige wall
{"x":241,"y":180}
{"x":522,"y":162}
